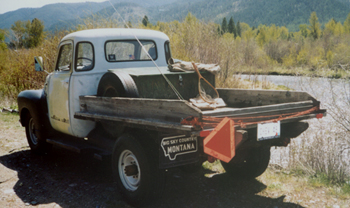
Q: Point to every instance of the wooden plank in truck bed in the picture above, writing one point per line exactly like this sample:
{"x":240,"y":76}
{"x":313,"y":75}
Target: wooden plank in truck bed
{"x":134,"y":122}
{"x":261,"y":110}
{"x":141,"y":108}
{"x":239,"y":98}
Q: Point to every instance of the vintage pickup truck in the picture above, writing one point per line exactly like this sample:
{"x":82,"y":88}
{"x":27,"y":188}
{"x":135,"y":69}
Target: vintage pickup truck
{"x":112,"y":94}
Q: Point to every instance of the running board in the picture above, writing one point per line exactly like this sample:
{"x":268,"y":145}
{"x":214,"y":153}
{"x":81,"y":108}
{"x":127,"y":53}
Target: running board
{"x":79,"y":147}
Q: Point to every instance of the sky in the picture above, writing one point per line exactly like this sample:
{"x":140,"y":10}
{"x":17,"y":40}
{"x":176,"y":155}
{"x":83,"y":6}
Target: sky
{"x":12,"y":5}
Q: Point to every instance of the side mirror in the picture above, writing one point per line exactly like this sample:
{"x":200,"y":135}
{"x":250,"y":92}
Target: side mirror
{"x":38,"y":62}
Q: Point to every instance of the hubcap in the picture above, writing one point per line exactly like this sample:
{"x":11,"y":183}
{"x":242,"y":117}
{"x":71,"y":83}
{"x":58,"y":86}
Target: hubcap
{"x":32,"y":130}
{"x":129,"y":170}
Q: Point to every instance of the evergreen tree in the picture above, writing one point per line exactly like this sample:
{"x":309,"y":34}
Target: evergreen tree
{"x":145,"y":21}
{"x":219,"y":30}
{"x":238,"y":29}
{"x":224,"y":25}
{"x":231,"y":27}
{"x":315,"y":27}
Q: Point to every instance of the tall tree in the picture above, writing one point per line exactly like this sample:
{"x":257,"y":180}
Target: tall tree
{"x":261,"y":38}
{"x":347,"y":24}
{"x":224,"y":25}
{"x":18,"y":33}
{"x":3,"y":45}
{"x":145,"y":21}
{"x":231,"y":27}
{"x":35,"y":33}
{"x":303,"y":30}
{"x":330,"y":27}
{"x":219,"y":30}
{"x":315,"y":27}
{"x":239,"y":29}
{"x":27,"y":34}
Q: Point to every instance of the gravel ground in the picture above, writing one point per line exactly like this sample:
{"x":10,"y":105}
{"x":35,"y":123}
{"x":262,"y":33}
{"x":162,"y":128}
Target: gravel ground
{"x":66,"y":179}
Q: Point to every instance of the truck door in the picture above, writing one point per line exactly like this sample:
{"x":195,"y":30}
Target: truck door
{"x":58,"y":89}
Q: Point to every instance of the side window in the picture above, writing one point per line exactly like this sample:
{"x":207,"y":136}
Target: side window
{"x":65,"y":58}
{"x":84,"y":56}
{"x":167,"y":52}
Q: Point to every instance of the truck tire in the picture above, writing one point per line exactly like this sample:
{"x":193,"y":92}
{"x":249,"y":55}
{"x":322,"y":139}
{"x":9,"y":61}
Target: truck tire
{"x":36,"y":142}
{"x":136,"y":172}
{"x":117,"y":84}
{"x":252,"y":163}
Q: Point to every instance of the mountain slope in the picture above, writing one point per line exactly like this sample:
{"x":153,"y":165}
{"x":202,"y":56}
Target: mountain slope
{"x":129,"y":11}
{"x":63,"y":13}
{"x":254,"y":12}
{"x":289,"y":13}
{"x":50,"y":14}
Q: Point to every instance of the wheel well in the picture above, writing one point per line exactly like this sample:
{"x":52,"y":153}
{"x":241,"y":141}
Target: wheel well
{"x":24,"y":116}
{"x":147,"y":138}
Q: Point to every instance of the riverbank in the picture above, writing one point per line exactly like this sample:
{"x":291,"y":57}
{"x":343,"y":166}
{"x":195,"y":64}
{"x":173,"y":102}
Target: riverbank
{"x":296,"y":71}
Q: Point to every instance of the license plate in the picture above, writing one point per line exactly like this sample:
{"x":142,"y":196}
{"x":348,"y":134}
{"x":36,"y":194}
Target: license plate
{"x":269,"y":131}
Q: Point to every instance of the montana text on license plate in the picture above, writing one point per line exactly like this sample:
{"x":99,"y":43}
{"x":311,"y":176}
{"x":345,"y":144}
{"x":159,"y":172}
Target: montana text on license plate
{"x":269,"y":131}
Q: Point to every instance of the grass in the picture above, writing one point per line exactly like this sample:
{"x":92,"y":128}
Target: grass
{"x":296,"y":187}
{"x":341,"y":190}
{"x":303,"y":190}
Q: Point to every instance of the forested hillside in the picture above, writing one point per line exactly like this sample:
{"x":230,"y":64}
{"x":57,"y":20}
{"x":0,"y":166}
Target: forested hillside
{"x":289,"y":13}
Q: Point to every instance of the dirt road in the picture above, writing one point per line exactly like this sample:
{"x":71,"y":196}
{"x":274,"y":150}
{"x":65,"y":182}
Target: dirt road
{"x":66,"y":179}
{"x":69,"y":180}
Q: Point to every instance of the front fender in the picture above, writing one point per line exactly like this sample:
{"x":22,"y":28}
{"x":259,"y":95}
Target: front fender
{"x":34,"y":102}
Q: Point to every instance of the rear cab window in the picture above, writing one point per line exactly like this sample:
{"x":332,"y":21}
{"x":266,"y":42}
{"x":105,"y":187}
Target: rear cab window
{"x":130,"y":50}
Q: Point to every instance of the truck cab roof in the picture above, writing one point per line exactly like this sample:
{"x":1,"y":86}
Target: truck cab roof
{"x":109,"y":42}
{"x":115,"y":34}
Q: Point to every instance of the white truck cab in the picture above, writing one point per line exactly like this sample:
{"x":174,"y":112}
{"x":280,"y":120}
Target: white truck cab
{"x":83,"y":58}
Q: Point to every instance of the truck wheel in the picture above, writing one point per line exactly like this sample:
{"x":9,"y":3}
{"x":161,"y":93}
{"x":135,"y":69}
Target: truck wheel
{"x":136,"y":172}
{"x":252,"y":163}
{"x":37,"y":144}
